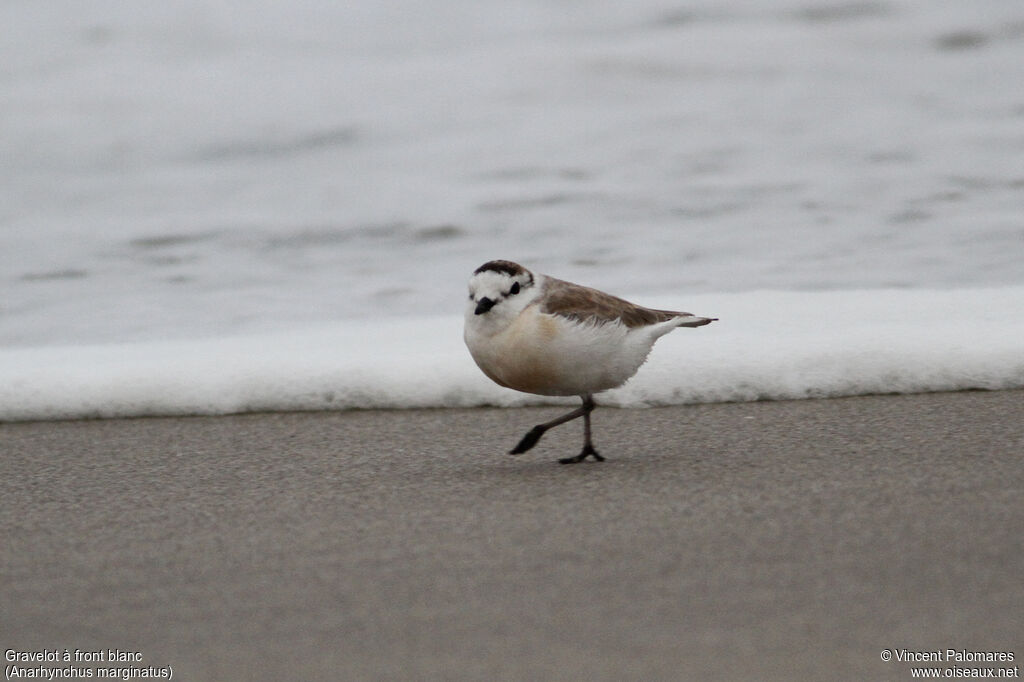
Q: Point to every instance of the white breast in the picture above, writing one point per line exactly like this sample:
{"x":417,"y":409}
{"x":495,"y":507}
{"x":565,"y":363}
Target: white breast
{"x":551,"y":355}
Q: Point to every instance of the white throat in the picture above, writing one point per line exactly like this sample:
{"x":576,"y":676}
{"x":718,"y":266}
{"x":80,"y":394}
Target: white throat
{"x":506,"y":308}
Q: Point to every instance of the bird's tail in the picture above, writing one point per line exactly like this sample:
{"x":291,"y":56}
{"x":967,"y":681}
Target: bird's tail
{"x":678,"y":320}
{"x":693,"y":321}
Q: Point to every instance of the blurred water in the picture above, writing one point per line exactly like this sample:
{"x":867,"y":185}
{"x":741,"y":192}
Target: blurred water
{"x":198,"y":169}
{"x":766,"y":346}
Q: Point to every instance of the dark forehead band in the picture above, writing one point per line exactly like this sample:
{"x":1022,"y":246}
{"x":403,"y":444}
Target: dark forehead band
{"x":506,"y":266}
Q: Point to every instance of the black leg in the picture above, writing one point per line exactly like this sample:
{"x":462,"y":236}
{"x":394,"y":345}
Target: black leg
{"x":534,"y":435}
{"x":588,"y":446}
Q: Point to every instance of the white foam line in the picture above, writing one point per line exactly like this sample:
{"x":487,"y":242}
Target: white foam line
{"x":767,"y":345}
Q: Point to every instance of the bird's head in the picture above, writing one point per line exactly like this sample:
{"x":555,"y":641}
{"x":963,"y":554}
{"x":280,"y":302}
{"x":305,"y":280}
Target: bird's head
{"x":500,"y":288}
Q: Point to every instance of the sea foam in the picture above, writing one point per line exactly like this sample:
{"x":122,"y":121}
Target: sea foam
{"x":766,"y":345}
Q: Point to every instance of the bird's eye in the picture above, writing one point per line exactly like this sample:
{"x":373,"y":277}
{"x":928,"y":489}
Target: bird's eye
{"x":514,"y":290}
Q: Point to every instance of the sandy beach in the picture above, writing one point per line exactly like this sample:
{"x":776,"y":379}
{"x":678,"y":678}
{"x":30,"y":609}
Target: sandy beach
{"x":769,"y":540}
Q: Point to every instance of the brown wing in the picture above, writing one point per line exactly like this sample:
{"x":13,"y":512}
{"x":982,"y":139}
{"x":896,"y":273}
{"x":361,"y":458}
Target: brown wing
{"x":584,"y":304}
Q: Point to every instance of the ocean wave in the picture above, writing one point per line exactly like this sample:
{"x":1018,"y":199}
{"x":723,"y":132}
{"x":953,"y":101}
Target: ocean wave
{"x":768,"y":345}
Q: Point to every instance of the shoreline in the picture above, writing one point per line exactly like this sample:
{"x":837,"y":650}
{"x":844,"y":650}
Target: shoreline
{"x":558,"y":404}
{"x":774,"y":539}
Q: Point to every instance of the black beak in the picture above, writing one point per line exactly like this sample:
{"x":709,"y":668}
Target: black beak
{"x":483,"y":305}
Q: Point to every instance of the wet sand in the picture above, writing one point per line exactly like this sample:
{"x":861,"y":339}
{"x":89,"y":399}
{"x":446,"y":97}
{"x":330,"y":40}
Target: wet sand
{"x":774,"y":540}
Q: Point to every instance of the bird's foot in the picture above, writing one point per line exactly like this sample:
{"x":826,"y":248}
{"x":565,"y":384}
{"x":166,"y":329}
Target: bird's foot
{"x":528,"y":441}
{"x":588,"y":451}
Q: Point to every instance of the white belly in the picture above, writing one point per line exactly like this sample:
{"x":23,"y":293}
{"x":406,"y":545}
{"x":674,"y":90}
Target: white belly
{"x":550,"y":355}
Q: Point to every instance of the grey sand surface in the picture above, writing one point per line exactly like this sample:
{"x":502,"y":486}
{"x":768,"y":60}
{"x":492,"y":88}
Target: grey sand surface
{"x":774,"y":540}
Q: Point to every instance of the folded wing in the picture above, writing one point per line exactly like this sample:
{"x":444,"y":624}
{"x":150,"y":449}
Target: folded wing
{"x":583,"y":304}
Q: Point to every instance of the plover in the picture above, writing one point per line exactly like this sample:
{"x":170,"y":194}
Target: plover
{"x":542,"y":335}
